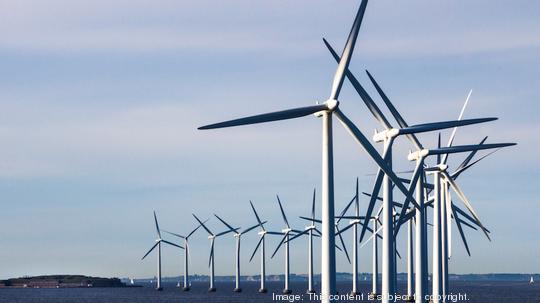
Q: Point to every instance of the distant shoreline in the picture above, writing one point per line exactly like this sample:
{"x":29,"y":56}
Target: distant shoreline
{"x":504,"y":277}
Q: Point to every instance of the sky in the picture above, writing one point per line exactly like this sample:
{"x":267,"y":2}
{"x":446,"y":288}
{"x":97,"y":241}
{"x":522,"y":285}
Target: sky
{"x":100,"y":101}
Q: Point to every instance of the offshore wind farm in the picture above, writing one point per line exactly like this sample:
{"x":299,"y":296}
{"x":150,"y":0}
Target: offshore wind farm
{"x":265,"y":204}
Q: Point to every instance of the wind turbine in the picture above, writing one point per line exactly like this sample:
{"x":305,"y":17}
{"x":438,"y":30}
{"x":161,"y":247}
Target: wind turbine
{"x":326,"y":110}
{"x":159,"y":240}
{"x":261,"y":244}
{"x":286,"y":232}
{"x":238,"y":236}
{"x":212,"y":237}
{"x":187,"y":284}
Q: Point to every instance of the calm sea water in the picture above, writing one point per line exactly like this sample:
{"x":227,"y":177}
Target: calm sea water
{"x":477,"y":292}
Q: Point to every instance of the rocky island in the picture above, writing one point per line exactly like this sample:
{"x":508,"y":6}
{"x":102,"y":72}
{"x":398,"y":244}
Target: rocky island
{"x":61,"y":281}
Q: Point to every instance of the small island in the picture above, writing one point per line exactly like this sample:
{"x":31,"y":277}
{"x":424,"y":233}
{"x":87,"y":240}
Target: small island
{"x":61,"y":281}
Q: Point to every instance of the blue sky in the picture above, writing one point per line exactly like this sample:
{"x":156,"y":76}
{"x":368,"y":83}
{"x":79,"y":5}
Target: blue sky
{"x":99,"y":104}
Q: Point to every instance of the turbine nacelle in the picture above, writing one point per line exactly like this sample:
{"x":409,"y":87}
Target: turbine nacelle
{"x":385,"y":134}
{"x":331,"y":105}
{"x":417,"y":155}
{"x":436,"y":169}
{"x":356,"y":221}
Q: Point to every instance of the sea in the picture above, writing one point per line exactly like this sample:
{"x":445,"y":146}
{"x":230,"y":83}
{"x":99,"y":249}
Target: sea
{"x":461,"y":291}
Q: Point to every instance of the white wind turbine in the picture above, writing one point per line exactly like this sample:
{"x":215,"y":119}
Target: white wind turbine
{"x":326,"y":110}
{"x":238,"y":236}
{"x":159,"y":240}
{"x":187,"y":284}
{"x":286,"y":232}
{"x":261,"y":244}
{"x":212,"y":237}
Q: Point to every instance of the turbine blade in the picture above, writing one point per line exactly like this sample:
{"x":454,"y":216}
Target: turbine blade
{"x":394,"y":112}
{"x":343,"y":244}
{"x":256,"y":247}
{"x":467,"y":148}
{"x":451,"y":140}
{"x":283,"y":212}
{"x":173,"y":234}
{"x":371,"y":105}
{"x":157,"y":225}
{"x":460,"y":229}
{"x":170,"y":243}
{"x":149,"y":251}
{"x":310,"y":219}
{"x":313,"y":207}
{"x":347,"y":52}
{"x":371,"y":205}
{"x":269,"y":117}
{"x":427,"y":127}
{"x":344,"y":211}
{"x":256,"y":215}
{"x":279,"y":245}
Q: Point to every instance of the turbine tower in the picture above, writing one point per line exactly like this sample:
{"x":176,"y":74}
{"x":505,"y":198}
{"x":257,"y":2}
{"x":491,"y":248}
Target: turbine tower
{"x":159,"y":240}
